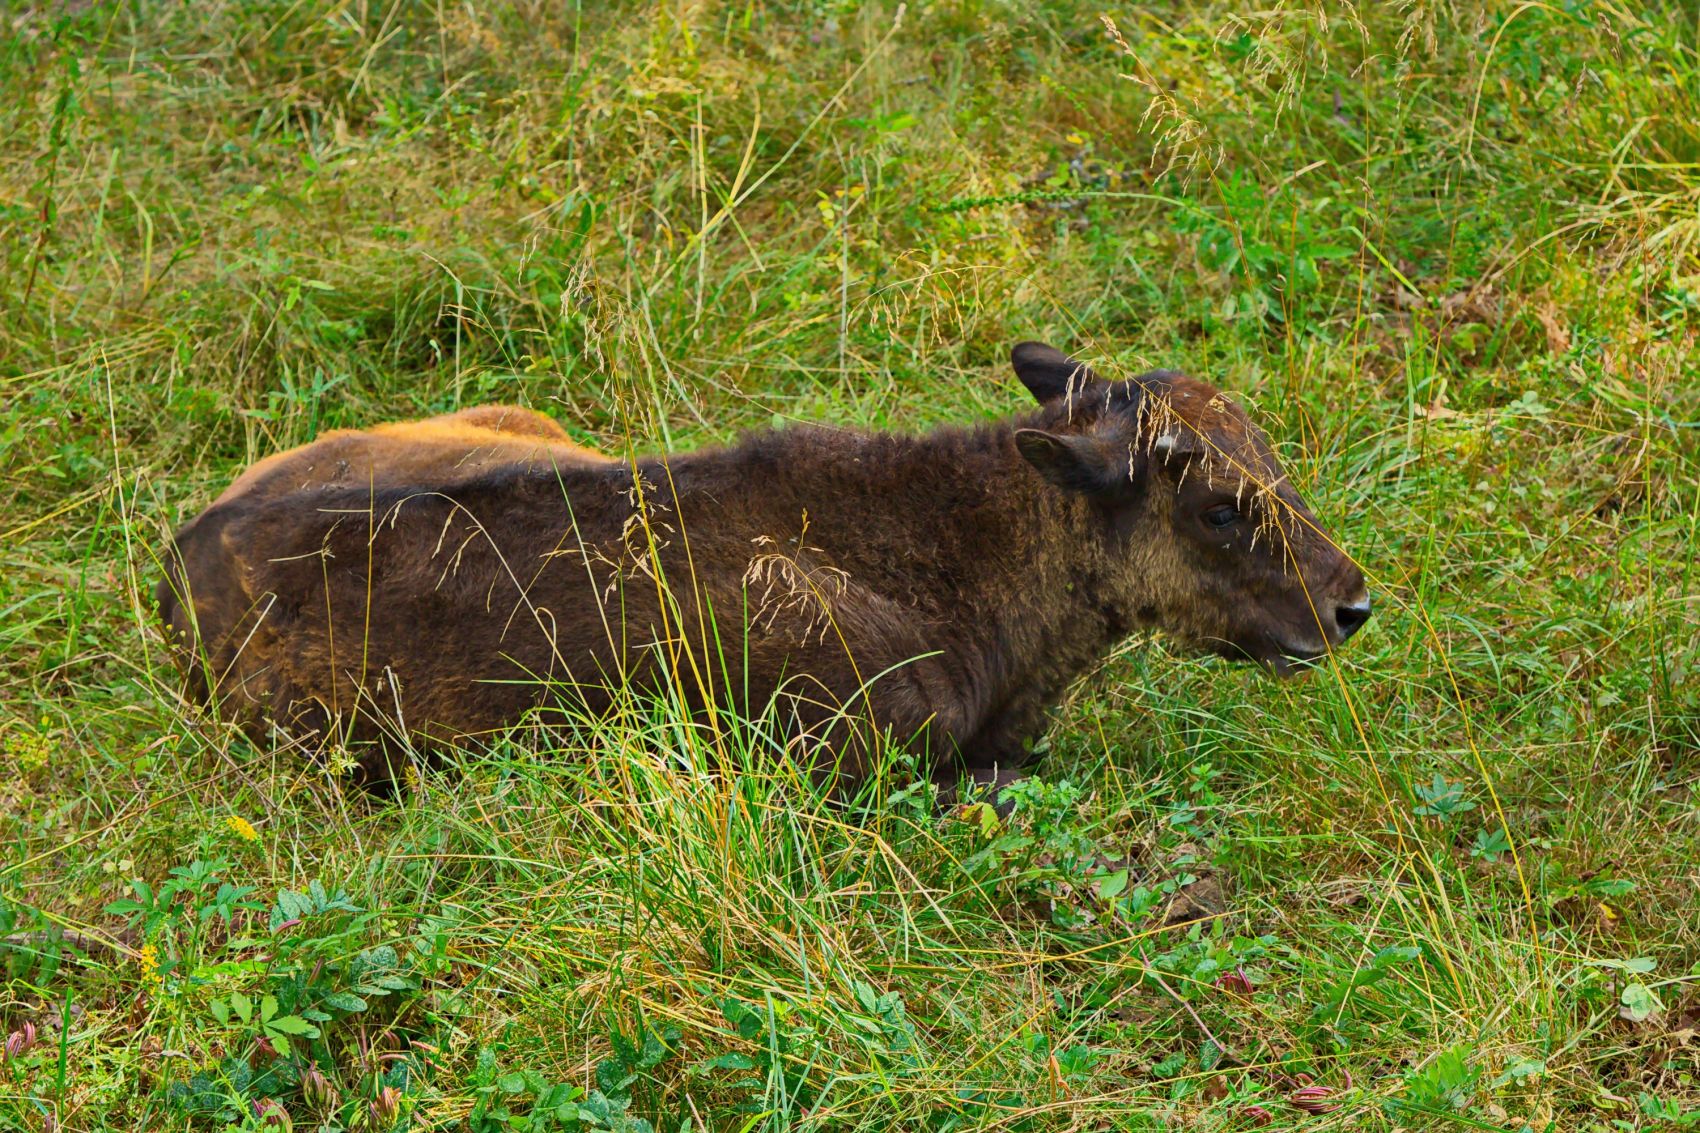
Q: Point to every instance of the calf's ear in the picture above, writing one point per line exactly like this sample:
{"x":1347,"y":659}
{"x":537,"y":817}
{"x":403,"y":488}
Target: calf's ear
{"x":1048,"y":373}
{"x":1074,"y":463}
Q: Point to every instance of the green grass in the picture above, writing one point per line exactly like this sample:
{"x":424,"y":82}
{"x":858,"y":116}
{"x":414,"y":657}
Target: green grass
{"x":1448,"y":254}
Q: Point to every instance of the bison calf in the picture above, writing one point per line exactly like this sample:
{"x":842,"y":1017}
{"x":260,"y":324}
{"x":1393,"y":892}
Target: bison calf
{"x":427,"y":583}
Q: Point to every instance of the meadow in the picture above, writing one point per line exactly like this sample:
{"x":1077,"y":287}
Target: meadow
{"x":1447,"y":253}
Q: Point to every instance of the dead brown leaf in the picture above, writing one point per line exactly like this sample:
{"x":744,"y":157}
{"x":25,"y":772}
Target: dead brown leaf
{"x":1558,"y":335}
{"x":1201,"y":900}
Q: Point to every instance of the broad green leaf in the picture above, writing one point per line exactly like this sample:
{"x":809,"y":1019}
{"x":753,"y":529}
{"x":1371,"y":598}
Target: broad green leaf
{"x":292,"y":1025}
{"x":345,"y":1001}
{"x":732,"y":1060}
{"x":1639,"y":1002}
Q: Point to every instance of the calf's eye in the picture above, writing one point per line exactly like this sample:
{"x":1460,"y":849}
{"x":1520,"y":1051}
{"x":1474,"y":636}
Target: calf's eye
{"x":1222,"y":515}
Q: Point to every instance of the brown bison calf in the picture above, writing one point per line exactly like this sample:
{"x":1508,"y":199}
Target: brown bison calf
{"x":432,"y":582}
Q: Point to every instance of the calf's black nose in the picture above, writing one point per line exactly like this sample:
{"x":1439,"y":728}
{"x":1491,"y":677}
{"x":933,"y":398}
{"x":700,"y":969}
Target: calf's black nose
{"x":1351,"y":618}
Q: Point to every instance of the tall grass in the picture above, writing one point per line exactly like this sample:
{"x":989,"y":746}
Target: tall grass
{"x":1446,"y":252}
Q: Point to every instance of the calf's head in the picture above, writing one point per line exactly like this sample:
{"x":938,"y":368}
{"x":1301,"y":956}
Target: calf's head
{"x":1203,"y":535}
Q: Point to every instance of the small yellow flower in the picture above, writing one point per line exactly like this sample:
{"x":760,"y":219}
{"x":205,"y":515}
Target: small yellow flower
{"x":148,"y":961}
{"x":242,"y":828}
